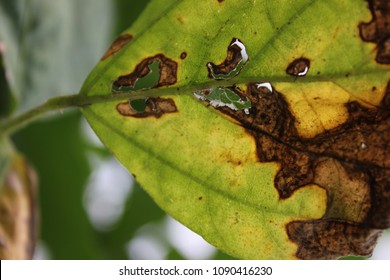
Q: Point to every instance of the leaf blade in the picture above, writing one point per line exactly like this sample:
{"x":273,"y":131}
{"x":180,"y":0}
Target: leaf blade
{"x":240,"y":165}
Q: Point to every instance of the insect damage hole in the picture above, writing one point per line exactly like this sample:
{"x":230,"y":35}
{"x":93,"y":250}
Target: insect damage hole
{"x":236,"y":58}
{"x":224,"y":97}
{"x":299,"y":67}
{"x":148,"y":78}
{"x":154,"y":107}
{"x":151,"y":72}
{"x":155,"y":71}
{"x":265,"y":85}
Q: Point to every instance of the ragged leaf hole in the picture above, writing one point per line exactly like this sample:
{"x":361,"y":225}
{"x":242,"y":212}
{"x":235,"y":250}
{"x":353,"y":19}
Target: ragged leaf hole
{"x":154,"y":107}
{"x":299,"y":67}
{"x":150,"y":73}
{"x":224,"y":97}
{"x":235,"y":60}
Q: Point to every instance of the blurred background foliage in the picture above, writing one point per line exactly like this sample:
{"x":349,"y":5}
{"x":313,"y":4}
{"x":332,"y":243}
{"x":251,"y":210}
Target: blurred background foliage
{"x":90,"y":206}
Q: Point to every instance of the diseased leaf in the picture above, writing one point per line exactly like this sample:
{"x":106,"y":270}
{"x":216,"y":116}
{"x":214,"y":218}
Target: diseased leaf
{"x":292,"y":158}
{"x":18,"y":210}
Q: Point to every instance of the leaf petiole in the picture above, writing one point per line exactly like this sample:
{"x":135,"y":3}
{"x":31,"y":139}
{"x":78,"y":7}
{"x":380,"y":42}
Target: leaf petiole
{"x":11,"y":124}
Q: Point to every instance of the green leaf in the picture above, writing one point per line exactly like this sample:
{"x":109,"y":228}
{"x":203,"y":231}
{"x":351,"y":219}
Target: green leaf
{"x":47,"y":45}
{"x":7,"y":102}
{"x":300,"y":169}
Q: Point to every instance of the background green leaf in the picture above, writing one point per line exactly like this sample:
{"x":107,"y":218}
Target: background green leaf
{"x":49,"y":47}
{"x":7,"y":101}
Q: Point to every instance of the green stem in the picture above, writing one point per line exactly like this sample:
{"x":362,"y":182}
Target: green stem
{"x":9,"y":125}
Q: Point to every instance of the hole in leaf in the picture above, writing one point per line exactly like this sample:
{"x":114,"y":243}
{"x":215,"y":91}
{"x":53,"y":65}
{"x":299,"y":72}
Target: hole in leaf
{"x":299,"y":67}
{"x":145,"y":82}
{"x":224,"y":97}
{"x":152,"y":107}
{"x":265,"y":85}
{"x":232,"y":65}
{"x":151,"y":72}
{"x":148,"y":78}
{"x":139,"y":105}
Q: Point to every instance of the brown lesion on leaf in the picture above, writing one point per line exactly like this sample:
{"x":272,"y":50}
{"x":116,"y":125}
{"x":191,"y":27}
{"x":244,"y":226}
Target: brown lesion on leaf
{"x":351,"y":162}
{"x":180,"y":19}
{"x":298,"y":67}
{"x":325,"y":239}
{"x":155,"y":107}
{"x":117,"y":45}
{"x":183,"y":55}
{"x":18,"y":212}
{"x":231,"y":62}
{"x":167,"y":72}
{"x":378,"y":29}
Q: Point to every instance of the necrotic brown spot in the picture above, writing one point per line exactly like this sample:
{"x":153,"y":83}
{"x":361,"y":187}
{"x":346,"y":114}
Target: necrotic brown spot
{"x":155,"y":107}
{"x":183,"y":55}
{"x":167,"y":72}
{"x":180,"y":19}
{"x":299,"y":67}
{"x":331,"y":239}
{"x":117,"y":45}
{"x":378,"y":29}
